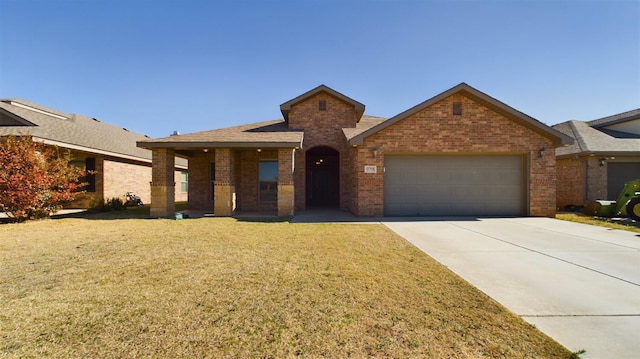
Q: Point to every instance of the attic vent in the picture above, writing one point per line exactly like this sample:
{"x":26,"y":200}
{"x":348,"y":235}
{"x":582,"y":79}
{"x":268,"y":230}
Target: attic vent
{"x":175,"y":133}
{"x":322,"y":105}
{"x":457,"y":108}
{"x":95,"y":119}
{"x":125,"y":129}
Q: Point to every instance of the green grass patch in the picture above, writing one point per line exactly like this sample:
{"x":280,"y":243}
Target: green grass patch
{"x":217,"y":287}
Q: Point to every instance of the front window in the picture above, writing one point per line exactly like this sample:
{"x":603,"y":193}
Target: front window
{"x":184,"y":181}
{"x":268,"y":181}
{"x":90,"y":174}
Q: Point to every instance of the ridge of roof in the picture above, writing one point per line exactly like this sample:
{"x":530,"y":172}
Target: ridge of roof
{"x":285,"y":108}
{"x":74,"y":131}
{"x":615,"y":119}
{"x":35,"y":107}
{"x":568,"y":128}
{"x":558,"y":137}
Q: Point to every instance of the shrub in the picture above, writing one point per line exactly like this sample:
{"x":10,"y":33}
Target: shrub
{"x":35,"y":179}
{"x":111,"y":204}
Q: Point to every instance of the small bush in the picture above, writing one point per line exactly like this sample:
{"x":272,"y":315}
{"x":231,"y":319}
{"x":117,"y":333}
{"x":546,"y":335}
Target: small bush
{"x":111,"y":204}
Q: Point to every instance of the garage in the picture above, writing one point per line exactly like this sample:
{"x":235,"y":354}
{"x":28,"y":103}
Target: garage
{"x":454,"y":186}
{"x":617,"y":174}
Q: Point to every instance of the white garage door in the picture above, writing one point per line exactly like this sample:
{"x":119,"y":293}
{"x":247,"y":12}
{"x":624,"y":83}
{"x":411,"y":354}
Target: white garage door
{"x":453,"y":186}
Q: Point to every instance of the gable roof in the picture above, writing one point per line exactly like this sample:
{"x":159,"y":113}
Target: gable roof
{"x":557,"y":137}
{"x":285,"y":108}
{"x":71,"y":131}
{"x":268,"y":134}
{"x":593,"y":137}
{"x":615,"y":119}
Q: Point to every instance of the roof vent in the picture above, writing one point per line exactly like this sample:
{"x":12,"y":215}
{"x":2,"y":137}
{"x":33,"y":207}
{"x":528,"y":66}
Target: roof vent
{"x":125,"y":129}
{"x":457,"y":108}
{"x":175,"y":133}
{"x":95,"y":119}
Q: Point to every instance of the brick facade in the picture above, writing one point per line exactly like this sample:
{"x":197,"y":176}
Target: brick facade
{"x":323,"y":128}
{"x":483,"y":128}
{"x":435,"y":130}
{"x":286,"y":193}
{"x":585,"y":179}
{"x":162,"y":183}
{"x":571,"y":189}
{"x":200,"y":181}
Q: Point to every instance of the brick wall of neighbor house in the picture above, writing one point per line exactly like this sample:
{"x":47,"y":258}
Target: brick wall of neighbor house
{"x":88,"y":199}
{"x":570,"y":191}
{"x":478,"y":130}
{"x":596,"y":179}
{"x":121,"y":177}
{"x":323,"y":128}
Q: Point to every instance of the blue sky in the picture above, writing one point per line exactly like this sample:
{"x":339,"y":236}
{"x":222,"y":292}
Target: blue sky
{"x":155,"y":66}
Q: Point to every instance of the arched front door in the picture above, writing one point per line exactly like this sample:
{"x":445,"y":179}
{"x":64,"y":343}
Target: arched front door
{"x":323,"y":177}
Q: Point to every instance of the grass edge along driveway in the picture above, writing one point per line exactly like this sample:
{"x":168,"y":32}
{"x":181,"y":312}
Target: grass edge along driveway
{"x":218,"y":287}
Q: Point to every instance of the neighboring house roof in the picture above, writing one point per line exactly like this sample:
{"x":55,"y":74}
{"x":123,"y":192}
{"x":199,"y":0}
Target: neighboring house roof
{"x":71,"y":131}
{"x":557,"y":137}
{"x":616,"y":119}
{"x":593,"y":137}
{"x":286,"y":107}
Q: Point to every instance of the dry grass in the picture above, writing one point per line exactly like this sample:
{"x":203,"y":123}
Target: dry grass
{"x":624,"y":224}
{"x":216,"y":288}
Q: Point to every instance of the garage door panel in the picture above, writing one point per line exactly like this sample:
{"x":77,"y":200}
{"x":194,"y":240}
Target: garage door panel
{"x":453,"y":185}
{"x":617,"y":174}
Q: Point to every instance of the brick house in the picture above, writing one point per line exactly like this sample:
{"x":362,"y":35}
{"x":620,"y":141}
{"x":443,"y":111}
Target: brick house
{"x":461,"y":152}
{"x":107,"y":150}
{"x":604,"y":155}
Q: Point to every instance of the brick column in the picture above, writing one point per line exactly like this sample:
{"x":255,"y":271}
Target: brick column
{"x":224,"y":201}
{"x":286,"y":188}
{"x":163,"y":183}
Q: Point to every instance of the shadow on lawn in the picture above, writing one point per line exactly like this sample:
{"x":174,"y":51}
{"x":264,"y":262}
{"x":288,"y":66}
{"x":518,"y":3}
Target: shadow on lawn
{"x":141,"y":212}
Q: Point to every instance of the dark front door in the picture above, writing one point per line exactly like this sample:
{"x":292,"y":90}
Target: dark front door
{"x":323,"y":177}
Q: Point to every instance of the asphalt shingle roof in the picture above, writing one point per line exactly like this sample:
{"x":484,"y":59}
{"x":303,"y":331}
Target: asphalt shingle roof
{"x":592,"y":137}
{"x":266,"y":134}
{"x":74,"y":131}
{"x":614,"y":119}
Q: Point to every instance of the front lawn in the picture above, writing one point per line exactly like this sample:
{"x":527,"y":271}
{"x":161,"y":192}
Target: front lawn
{"x":218,"y":287}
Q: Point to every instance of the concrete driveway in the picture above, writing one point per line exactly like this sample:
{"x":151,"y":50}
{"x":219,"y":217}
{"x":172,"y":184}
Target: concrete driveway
{"x":577,"y":283}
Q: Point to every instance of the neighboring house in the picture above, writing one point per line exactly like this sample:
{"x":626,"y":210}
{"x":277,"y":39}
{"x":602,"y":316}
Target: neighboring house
{"x":461,"y":152}
{"x":108,"y":151}
{"x":605,"y":154}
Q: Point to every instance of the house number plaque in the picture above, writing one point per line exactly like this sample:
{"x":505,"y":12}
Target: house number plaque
{"x":370,"y":169}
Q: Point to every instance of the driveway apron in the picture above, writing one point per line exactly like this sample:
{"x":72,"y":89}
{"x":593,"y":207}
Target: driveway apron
{"x":577,"y":283}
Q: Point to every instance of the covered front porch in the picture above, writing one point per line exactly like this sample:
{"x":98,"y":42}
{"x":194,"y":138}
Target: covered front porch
{"x":247,"y":168}
{"x":227,"y":181}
